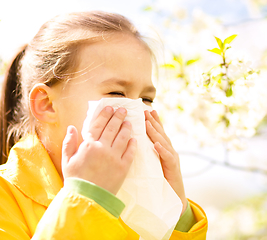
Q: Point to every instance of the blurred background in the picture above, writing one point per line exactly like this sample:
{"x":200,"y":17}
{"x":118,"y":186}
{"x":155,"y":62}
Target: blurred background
{"x":212,"y":94}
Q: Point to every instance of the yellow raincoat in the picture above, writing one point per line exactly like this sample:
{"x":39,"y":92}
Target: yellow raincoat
{"x":35,"y":205}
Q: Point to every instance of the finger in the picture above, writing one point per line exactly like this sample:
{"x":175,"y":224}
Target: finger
{"x":121,"y":140}
{"x":172,"y":172}
{"x":100,"y":122}
{"x":70,"y":145}
{"x":155,"y":115}
{"x":170,"y":164}
{"x":129,"y":154}
{"x":155,"y":136}
{"x":113,"y":126}
{"x":158,"y":127}
{"x":165,"y":156}
{"x":154,"y":122}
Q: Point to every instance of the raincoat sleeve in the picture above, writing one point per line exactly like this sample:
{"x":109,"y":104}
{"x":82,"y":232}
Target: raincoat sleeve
{"x":74,"y":215}
{"x":71,"y":215}
{"x":191,"y":227}
{"x":187,"y":220}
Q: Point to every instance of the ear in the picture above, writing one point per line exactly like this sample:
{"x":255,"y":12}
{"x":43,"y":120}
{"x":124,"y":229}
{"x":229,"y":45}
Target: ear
{"x":41,"y":103}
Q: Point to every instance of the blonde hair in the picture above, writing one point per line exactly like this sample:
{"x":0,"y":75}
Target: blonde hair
{"x":49,"y":58}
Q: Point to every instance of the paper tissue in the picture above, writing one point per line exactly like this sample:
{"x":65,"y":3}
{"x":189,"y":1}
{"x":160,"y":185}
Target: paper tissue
{"x":152,"y":207}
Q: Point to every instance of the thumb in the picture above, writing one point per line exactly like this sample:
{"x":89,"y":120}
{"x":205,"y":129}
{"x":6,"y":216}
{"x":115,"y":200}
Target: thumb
{"x":69,"y":146}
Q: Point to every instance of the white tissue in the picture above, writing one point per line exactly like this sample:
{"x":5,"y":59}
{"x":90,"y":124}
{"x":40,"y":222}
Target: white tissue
{"x":152,"y":207}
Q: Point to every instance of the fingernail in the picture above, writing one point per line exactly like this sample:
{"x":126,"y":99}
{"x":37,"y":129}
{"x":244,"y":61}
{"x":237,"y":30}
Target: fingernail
{"x":70,"y":130}
{"x":109,"y":109}
{"x":122,"y":110}
{"x":127,"y":123}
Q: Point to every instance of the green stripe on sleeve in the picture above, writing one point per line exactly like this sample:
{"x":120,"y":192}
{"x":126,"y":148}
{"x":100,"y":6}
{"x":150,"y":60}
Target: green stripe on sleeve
{"x":186,"y":221}
{"x":101,"y":196}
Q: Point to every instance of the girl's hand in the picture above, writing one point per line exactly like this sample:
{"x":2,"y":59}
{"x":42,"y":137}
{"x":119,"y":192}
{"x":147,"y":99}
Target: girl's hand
{"x":168,"y":156}
{"x":105,"y":156}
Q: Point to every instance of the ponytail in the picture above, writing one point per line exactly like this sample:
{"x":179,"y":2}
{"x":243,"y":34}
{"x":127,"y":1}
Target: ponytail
{"x":10,"y":97}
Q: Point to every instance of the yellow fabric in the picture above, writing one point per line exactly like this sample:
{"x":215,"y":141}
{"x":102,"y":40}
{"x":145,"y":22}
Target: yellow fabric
{"x":33,"y":204}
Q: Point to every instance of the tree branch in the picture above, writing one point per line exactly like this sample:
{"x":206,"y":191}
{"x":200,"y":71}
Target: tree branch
{"x":225,"y":163}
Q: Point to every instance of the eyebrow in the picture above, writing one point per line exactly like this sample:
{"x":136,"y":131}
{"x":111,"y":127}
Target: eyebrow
{"x":125,"y":83}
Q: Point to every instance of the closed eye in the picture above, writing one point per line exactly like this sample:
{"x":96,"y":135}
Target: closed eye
{"x":121,"y":94}
{"x":117,"y":93}
{"x":147,"y":100}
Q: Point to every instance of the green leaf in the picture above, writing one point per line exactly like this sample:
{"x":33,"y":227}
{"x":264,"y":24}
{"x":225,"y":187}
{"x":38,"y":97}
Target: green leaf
{"x":168,"y":65}
{"x":229,"y":92}
{"x":148,"y":8}
{"x":227,"y":121}
{"x":178,"y":59}
{"x":180,"y":108}
{"x":191,"y":61}
{"x":215,"y":50}
{"x":229,"y":39}
{"x":219,"y":41}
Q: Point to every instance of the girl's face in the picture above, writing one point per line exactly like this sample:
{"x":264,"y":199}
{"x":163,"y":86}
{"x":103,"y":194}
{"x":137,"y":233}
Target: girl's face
{"x":118,"y":67}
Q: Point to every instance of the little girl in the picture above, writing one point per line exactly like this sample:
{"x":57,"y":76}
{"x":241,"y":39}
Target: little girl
{"x":54,"y":184}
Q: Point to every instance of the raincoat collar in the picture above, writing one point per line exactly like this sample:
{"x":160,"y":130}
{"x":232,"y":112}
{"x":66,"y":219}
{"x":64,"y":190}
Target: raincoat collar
{"x":31,"y":170}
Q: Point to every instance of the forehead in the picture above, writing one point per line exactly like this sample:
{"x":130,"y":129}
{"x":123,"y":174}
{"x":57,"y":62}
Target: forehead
{"x":121,"y":55}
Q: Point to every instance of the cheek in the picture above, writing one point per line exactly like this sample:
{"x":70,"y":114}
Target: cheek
{"x":74,"y":113}
{"x":74,"y":102}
